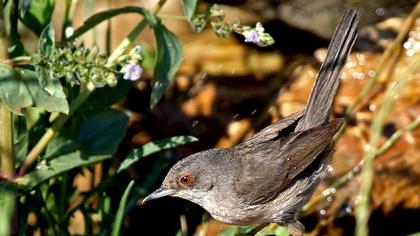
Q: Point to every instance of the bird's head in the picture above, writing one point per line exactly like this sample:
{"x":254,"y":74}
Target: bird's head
{"x":191,"y":178}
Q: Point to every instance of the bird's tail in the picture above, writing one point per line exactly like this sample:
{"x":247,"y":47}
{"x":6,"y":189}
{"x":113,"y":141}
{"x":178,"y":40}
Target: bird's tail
{"x":320,"y":101}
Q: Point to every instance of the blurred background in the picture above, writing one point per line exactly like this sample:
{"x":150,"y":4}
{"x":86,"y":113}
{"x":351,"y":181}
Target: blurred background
{"x":227,"y":90}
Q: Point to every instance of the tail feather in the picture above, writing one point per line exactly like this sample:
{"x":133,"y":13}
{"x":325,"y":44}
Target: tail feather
{"x":320,"y":101}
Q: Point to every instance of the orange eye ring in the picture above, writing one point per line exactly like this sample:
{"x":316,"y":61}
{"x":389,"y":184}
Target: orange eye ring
{"x":186,"y":179}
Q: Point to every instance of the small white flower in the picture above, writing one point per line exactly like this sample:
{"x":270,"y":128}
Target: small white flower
{"x":132,"y":72}
{"x":252,"y":36}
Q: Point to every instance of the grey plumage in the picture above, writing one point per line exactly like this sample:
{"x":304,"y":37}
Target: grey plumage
{"x":270,"y":176}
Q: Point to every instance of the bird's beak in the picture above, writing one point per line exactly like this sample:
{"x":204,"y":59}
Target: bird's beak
{"x":158,"y":193}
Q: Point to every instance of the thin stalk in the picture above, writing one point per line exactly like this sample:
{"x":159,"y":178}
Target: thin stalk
{"x":344,"y":179}
{"x":7,"y":162}
{"x":173,"y":17}
{"x":384,"y":67}
{"x":133,"y":34}
{"x":90,"y":7}
{"x":7,"y":157}
{"x":69,"y":7}
{"x":66,"y":21}
{"x":362,"y":206}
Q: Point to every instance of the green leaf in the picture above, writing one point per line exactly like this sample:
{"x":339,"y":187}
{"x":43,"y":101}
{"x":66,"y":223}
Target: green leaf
{"x":153,"y":147}
{"x":53,"y":101}
{"x":190,"y":7}
{"x":100,"y":134}
{"x":46,"y":47}
{"x":121,"y":210}
{"x":13,"y":91}
{"x":38,"y":16}
{"x":45,"y":78}
{"x":168,"y":59}
{"x":46,"y":43}
{"x":45,"y":170}
{"x":19,"y":89}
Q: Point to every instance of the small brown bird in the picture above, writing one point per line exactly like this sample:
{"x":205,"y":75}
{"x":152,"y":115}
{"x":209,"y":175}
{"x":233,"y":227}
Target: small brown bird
{"x":269,"y":177}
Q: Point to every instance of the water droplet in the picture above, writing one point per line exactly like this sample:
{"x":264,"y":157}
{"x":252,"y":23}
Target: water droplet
{"x":254,"y":111}
{"x":288,"y":159}
{"x":69,"y":31}
{"x":329,"y":199}
{"x":356,"y":169}
{"x":358,"y":75}
{"x":333,"y":190}
{"x":348,"y":209}
{"x":410,"y":52}
{"x":372,"y":107}
{"x":330,"y":168}
{"x":371,"y":73}
{"x":323,"y":212}
{"x":194,"y":124}
{"x":380,"y":11}
{"x":158,"y":85}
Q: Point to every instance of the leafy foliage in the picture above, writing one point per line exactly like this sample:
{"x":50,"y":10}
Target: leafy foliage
{"x":63,"y":95}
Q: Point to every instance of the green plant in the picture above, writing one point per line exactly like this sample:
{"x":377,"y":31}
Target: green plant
{"x":55,"y":111}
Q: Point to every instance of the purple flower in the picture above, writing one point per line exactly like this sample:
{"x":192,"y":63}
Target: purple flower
{"x":132,"y":72}
{"x":256,"y":35}
{"x":252,"y":37}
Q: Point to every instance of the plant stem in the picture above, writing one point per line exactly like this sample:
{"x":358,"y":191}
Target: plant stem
{"x":356,"y":170}
{"x":384,"y":67}
{"x":66,"y":20}
{"x":133,"y":34}
{"x":127,"y":41}
{"x":362,"y":206}
{"x":173,"y":17}
{"x":7,"y":157}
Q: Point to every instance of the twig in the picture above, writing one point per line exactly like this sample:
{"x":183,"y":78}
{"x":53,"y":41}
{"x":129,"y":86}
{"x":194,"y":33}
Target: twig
{"x":391,"y":54}
{"x":362,"y":206}
{"x":384,"y":67}
{"x":330,"y":191}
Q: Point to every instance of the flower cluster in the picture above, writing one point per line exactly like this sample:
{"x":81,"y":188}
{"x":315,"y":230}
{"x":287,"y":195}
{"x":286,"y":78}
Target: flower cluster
{"x":254,"y":35}
{"x":84,"y":65}
{"x":215,"y":15}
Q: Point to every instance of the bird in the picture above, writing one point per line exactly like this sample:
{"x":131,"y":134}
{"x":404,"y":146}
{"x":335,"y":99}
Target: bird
{"x":270,"y":176}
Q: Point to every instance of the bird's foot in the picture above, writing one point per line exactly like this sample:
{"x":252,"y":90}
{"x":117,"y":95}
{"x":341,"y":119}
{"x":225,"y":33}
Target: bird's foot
{"x":295,"y":228}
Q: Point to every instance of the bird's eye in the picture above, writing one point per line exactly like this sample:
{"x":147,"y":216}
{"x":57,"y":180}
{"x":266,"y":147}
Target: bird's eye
{"x":186,"y":179}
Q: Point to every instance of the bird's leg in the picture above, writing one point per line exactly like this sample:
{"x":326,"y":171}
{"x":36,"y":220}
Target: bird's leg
{"x":295,"y":228}
{"x":257,"y":229}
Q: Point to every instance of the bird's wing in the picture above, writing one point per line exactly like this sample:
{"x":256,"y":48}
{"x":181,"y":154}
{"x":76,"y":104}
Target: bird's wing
{"x":269,"y":166}
{"x":285,"y":125}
